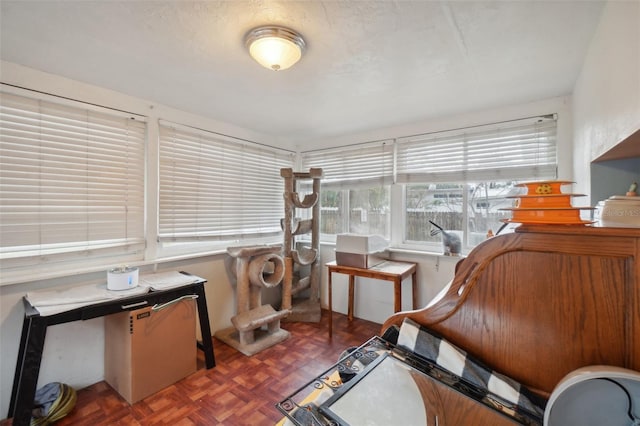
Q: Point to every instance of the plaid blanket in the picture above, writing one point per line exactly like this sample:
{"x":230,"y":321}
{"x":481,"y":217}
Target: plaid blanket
{"x":507,"y":393}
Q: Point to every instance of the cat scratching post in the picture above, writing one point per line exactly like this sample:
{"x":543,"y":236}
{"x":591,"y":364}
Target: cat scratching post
{"x":301,"y":294}
{"x":255,"y":326}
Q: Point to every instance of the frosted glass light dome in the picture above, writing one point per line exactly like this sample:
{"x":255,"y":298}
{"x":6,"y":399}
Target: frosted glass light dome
{"x":275,"y":48}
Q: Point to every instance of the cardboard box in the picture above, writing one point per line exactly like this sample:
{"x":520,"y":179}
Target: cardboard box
{"x":146,"y":350}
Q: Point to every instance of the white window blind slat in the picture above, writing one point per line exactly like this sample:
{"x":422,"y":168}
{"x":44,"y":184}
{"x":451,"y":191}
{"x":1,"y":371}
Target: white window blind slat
{"x":369,"y":164}
{"x":521,"y":149}
{"x":71,"y":184}
{"x":215,"y":187}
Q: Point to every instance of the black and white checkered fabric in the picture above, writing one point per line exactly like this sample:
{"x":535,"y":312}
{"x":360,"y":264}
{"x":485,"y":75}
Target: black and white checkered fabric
{"x":426,"y":344}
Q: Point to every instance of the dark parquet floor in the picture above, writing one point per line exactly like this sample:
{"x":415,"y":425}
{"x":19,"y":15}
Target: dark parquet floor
{"x":240,"y":390}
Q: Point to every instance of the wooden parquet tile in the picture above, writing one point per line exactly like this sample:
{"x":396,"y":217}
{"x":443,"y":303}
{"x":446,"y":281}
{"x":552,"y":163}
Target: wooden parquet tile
{"x":240,"y":390}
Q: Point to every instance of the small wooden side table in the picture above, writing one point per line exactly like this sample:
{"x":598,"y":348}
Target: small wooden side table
{"x":388,"y":271}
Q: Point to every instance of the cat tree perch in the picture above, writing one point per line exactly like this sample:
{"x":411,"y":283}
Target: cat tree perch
{"x":301,"y":294}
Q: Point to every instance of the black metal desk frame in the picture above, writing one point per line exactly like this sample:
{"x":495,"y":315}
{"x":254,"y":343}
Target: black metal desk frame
{"x":34,"y":329}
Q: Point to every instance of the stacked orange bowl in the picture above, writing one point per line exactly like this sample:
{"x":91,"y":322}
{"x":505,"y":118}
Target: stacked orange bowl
{"x":545,"y":203}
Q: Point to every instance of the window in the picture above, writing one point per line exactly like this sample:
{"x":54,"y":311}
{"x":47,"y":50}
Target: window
{"x":215,"y":187}
{"x":71,"y":185}
{"x":368,"y":211}
{"x":355,"y":196}
{"x":444,"y":204}
{"x":461,"y":179}
{"x":458,"y":179}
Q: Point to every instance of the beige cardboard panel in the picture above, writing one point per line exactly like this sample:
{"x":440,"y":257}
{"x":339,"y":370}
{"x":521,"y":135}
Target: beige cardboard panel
{"x":146,"y":351}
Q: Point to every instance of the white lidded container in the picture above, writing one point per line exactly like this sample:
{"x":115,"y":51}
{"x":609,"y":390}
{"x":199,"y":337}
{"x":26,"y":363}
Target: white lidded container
{"x":122,"y":278}
{"x":360,"y":251}
{"x":360,"y":244}
{"x":619,"y":211}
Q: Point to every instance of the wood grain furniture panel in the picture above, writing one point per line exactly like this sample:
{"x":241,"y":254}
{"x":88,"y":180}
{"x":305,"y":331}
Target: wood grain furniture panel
{"x":543,"y":301}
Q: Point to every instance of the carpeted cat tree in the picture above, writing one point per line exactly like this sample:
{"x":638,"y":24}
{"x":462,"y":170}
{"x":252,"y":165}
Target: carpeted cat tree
{"x":255,"y":326}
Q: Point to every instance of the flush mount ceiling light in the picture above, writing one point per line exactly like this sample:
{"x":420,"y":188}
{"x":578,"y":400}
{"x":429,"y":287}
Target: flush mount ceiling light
{"x":274,"y":47}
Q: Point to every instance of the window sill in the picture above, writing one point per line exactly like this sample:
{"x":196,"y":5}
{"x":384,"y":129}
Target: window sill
{"x":411,"y":252}
{"x":416,"y":252}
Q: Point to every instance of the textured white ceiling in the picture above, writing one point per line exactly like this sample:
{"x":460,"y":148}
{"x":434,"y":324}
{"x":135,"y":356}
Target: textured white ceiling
{"x":369,"y":64}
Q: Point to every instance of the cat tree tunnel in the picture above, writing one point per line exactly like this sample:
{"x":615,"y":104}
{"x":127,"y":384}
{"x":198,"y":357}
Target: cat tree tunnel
{"x":255,"y":326}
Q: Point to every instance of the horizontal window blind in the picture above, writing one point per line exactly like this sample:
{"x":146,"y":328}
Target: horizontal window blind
{"x":362,"y":165}
{"x":71,"y":182}
{"x":520,"y":149}
{"x":214,"y":187}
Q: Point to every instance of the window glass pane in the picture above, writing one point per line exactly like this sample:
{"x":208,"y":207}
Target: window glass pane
{"x":331,"y":212}
{"x":444,"y":204}
{"x":484,"y":214}
{"x":369,"y":211}
{"x":357,"y":211}
{"x":439,"y":203}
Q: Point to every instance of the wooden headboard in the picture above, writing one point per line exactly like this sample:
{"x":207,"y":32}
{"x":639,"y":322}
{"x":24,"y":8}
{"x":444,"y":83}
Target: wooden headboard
{"x":543,"y":301}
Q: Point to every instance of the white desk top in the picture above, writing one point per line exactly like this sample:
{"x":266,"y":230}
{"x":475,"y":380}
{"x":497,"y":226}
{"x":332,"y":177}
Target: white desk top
{"x":50,"y":302}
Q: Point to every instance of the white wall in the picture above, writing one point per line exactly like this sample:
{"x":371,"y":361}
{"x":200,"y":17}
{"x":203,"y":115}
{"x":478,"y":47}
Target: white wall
{"x":74,"y":352}
{"x":606,"y":97}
